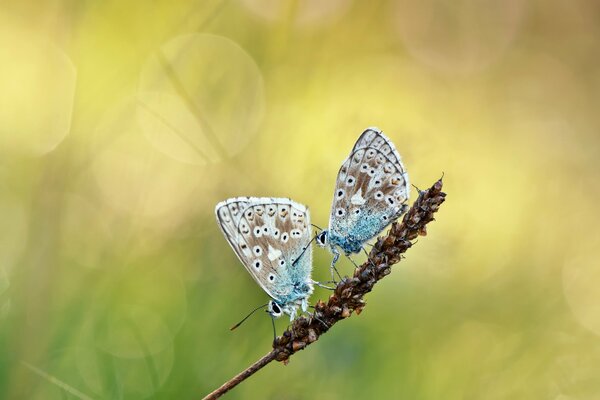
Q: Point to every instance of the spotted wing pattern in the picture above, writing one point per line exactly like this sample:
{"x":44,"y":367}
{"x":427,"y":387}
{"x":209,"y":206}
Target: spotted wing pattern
{"x":269,"y":235}
{"x":371,"y":190}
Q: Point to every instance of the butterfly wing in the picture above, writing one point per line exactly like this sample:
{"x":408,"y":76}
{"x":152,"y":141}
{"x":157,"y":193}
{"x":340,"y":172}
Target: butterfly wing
{"x":371,"y":190}
{"x":269,"y":235}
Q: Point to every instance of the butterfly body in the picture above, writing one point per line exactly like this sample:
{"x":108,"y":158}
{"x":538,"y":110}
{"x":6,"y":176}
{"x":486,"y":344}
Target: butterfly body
{"x":271,"y":238}
{"x":358,"y":231}
{"x":371,"y":192}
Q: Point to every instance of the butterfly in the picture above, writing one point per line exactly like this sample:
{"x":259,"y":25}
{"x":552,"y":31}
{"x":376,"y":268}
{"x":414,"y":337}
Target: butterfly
{"x":271,"y":238}
{"x":371,"y":191}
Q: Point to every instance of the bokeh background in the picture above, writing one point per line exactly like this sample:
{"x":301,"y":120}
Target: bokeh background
{"x":122,"y":124}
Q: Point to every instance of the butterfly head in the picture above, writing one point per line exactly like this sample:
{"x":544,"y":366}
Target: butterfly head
{"x":323,"y":239}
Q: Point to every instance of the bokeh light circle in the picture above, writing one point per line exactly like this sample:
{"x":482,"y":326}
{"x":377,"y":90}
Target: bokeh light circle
{"x":304,"y":13}
{"x":201,"y":98}
{"x":132,"y":176}
{"x":38,"y":88}
{"x":457,"y":37}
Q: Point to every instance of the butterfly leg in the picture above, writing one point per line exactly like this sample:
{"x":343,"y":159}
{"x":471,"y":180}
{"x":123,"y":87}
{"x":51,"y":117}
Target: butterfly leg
{"x":368,"y":258}
{"x":314,"y":315}
{"x":336,"y":256}
{"x":319,"y":284}
{"x":352,"y":261}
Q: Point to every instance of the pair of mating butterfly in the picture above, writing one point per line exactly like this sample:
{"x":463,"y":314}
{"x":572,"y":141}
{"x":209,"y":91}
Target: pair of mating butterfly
{"x":271,"y":236}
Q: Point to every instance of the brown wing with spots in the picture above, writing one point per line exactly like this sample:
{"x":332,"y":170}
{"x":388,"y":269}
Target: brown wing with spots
{"x":372,"y":179}
{"x":267,"y":234}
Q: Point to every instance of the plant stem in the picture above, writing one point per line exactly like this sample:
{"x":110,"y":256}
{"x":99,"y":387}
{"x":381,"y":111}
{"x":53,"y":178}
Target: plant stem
{"x":239,"y":378}
{"x":348,"y":295}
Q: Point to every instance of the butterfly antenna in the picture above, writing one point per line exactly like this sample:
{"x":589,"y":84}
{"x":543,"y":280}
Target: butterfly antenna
{"x":303,"y":250}
{"x":317,"y":226}
{"x":248,"y":316}
{"x":274,"y":331}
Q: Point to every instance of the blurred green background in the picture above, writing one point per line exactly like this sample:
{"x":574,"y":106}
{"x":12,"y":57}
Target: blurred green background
{"x":122,"y":124}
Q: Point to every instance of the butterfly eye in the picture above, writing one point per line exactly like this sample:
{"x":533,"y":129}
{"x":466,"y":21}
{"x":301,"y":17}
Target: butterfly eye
{"x":274,"y":309}
{"x":385,"y":217}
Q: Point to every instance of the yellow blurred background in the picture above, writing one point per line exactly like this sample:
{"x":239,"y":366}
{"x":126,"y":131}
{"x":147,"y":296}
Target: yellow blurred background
{"x":122,"y":124}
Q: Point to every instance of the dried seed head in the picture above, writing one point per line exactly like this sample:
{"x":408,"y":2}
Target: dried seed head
{"x":298,"y":345}
{"x":345,"y":312}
